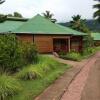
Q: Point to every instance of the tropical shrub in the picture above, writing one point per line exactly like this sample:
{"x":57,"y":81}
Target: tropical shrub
{"x":15,"y":54}
{"x":72,"y":56}
{"x":9,"y":54}
{"x":8,"y":87}
{"x":88,"y":41}
{"x":29,"y":52}
{"x":88,"y":51}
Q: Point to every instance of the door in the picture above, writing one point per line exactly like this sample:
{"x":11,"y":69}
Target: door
{"x":60,"y":45}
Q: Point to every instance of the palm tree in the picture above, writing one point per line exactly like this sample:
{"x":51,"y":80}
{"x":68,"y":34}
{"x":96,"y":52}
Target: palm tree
{"x":49,"y":16}
{"x":79,"y":24}
{"x":2,"y":1}
{"x":97,"y":13}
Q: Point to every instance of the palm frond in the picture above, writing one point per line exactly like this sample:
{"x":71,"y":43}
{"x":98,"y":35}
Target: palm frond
{"x":96,"y":14}
{"x":2,"y":1}
{"x":97,"y":6}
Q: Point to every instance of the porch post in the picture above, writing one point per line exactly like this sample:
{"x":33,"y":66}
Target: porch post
{"x":69,"y":48}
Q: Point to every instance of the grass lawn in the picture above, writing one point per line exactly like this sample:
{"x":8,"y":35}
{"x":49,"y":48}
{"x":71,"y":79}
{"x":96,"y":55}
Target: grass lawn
{"x":32,"y":88}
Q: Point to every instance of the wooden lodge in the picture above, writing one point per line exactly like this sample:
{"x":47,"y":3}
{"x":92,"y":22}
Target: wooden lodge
{"x":48,"y":37}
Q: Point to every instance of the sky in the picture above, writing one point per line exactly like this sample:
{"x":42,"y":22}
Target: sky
{"x":63,"y":10}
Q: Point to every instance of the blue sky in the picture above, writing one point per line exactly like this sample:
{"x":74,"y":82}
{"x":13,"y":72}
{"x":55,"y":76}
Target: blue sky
{"x":62,"y":9}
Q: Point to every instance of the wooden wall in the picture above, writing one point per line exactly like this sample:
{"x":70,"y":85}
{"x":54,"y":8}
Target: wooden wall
{"x":44,"y":43}
{"x":25,"y":37}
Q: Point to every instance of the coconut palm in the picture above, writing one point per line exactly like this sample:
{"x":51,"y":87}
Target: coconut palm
{"x":97,"y":13}
{"x":49,"y":16}
{"x":79,"y":24}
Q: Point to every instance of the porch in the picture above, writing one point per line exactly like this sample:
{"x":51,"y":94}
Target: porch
{"x":67,"y":44}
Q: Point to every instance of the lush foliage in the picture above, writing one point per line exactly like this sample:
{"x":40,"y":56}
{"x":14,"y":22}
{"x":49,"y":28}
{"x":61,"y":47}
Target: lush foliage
{"x":8,"y":87}
{"x":72,"y":56}
{"x":79,"y":24}
{"x":47,"y":70}
{"x":49,"y":16}
{"x":87,"y":52}
{"x":97,"y":13}
{"x":38,"y":70}
{"x":29,"y":52}
{"x":88,"y":41}
{"x":14,"y":54}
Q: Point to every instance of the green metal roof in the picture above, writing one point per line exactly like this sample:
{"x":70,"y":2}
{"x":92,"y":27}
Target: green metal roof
{"x":40,"y":25}
{"x":9,"y":25}
{"x":96,"y":36}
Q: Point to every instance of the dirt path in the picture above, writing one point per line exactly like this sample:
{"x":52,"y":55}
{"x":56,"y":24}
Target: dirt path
{"x":76,"y":87}
{"x":70,"y":85}
{"x":92,"y":87}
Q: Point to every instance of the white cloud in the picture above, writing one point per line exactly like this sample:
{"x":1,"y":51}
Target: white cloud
{"x":62,"y":9}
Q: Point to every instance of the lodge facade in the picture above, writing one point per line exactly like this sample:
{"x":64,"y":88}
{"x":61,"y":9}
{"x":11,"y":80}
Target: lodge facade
{"x":48,"y":37}
{"x":53,"y":43}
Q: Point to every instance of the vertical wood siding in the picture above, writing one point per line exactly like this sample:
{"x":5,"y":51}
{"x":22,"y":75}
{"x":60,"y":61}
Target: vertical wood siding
{"x":26,"y":37}
{"x":44,"y":43}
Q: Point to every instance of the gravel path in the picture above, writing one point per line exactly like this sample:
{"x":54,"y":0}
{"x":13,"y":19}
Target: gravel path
{"x":76,"y":87}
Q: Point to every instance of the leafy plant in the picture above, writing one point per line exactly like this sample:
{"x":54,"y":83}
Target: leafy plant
{"x":88,"y":51}
{"x":14,"y":54}
{"x":29,"y":52}
{"x":72,"y":56}
{"x":8,"y":87}
{"x":9,"y":54}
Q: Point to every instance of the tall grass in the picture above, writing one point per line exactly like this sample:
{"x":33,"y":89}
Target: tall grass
{"x":38,"y":70}
{"x":8,"y":87}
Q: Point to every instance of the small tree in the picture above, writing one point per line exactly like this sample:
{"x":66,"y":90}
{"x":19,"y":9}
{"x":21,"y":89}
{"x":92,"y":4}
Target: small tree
{"x":80,"y":25}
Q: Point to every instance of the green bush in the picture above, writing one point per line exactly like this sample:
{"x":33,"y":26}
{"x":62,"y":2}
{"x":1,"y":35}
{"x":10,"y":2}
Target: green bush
{"x":89,"y":51}
{"x":8,"y":87}
{"x":29,"y":52}
{"x":44,"y":65}
{"x":9,"y":54}
{"x":88,"y":41}
{"x":15,"y":54}
{"x":72,"y":56}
